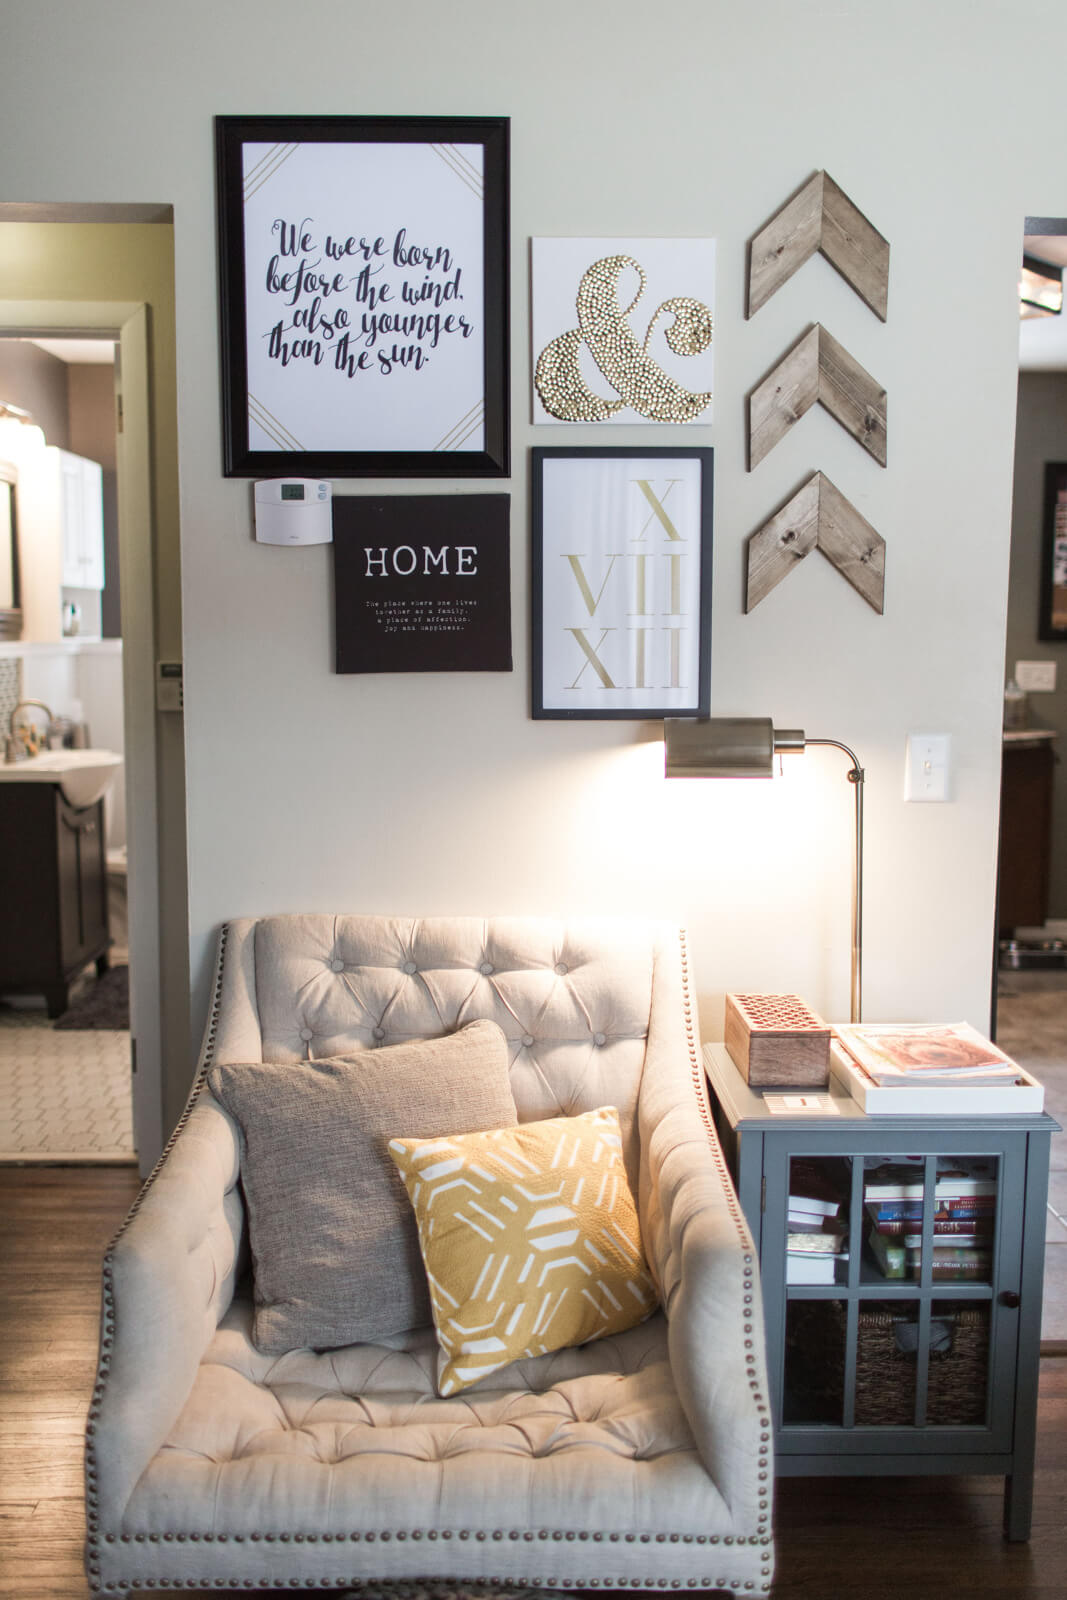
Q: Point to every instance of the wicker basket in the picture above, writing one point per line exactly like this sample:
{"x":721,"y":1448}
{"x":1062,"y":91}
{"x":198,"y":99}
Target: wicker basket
{"x":885,"y":1370}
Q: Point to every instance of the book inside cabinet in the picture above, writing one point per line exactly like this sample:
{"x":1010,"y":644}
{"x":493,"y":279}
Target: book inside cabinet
{"x":910,"y":1346}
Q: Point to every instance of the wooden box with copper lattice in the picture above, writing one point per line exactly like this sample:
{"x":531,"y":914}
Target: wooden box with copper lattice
{"x":777,"y":1042}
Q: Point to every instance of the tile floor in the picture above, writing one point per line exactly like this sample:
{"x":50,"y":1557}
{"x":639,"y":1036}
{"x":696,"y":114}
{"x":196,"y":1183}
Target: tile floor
{"x":1032,"y":1028}
{"x":63,"y":1096}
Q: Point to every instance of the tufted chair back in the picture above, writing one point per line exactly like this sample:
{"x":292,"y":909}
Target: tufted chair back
{"x":573,"y":998}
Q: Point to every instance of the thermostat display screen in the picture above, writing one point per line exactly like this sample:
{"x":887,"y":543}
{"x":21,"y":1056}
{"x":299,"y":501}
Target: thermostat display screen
{"x":292,"y":491}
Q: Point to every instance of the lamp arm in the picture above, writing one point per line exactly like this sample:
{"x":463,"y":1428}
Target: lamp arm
{"x":856,"y":778}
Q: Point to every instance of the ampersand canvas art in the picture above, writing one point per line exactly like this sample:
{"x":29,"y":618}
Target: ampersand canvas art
{"x":623,"y":330}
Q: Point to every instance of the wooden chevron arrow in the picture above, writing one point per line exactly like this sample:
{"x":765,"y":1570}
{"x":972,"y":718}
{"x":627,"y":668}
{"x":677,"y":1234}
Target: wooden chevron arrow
{"x":820,"y":217}
{"x":817,"y":368}
{"x":818,"y":517}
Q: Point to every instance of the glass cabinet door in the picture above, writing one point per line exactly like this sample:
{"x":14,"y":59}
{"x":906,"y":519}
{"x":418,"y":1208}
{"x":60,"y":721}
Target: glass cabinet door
{"x":892,"y":1293}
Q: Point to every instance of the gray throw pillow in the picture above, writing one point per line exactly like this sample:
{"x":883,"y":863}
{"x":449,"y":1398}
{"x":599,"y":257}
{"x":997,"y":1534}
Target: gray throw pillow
{"x":335,"y":1250}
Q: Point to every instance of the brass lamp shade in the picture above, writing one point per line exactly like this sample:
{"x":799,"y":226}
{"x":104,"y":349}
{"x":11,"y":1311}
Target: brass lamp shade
{"x":725,"y":747}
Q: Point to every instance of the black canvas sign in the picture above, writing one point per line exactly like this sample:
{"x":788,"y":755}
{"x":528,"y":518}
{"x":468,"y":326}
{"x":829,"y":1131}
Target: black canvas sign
{"x":422,"y":583}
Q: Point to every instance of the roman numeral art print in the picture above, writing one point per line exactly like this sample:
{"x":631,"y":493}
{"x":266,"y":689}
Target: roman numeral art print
{"x":621,"y":583}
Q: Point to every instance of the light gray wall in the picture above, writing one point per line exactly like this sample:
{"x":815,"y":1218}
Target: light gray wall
{"x":1040,"y":436}
{"x":433,"y":794}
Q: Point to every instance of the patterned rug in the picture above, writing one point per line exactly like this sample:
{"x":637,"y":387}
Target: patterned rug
{"x":104,"y":1004}
{"x":63,"y":1096}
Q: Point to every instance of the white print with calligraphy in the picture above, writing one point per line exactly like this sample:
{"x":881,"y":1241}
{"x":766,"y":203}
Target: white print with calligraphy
{"x":621,"y":579}
{"x":622,"y":330}
{"x":364,"y":287}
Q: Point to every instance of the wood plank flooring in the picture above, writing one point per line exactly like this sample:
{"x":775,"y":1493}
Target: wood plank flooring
{"x":838,"y":1539}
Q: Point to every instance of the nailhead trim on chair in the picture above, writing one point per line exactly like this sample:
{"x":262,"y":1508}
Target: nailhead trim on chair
{"x":749,"y":1255}
{"x":763,"y":1537}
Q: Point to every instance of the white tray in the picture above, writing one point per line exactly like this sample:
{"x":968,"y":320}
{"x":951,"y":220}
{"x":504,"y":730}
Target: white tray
{"x":1025,"y":1096}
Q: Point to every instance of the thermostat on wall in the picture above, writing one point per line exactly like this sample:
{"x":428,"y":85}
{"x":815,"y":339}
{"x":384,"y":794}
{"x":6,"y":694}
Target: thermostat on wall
{"x":294,"y":511}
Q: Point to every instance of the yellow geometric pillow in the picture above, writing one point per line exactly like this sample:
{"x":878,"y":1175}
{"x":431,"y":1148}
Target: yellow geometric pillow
{"x":530,"y":1240}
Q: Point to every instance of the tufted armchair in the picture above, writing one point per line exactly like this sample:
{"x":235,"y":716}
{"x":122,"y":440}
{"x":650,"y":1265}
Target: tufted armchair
{"x":640,"y":1460}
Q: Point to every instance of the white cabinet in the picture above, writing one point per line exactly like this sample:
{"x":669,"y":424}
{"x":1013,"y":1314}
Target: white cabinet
{"x":82,"y":518}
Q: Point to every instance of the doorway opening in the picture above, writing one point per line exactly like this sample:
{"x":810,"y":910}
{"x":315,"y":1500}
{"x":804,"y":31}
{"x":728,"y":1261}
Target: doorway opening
{"x":108,"y":271}
{"x":1030,"y":987}
{"x":65,"y":1042}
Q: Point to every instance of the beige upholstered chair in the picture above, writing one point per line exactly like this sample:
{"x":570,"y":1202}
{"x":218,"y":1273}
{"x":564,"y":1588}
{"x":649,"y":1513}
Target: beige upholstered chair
{"x":640,"y":1460}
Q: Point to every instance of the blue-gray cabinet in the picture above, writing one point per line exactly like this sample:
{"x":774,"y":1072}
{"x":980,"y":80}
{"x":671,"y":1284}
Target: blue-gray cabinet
{"x":913,"y":1345}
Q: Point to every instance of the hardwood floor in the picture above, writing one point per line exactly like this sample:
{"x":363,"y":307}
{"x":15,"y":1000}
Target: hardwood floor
{"x":932,"y":1537}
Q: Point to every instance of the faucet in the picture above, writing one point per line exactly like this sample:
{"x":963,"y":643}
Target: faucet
{"x":16,"y":739}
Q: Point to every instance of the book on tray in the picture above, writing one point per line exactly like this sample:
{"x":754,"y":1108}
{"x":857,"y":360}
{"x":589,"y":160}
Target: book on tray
{"x":926,"y":1055}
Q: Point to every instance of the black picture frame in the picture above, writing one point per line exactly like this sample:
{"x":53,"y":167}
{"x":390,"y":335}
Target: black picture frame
{"x":422,"y":583}
{"x":1052,"y":617}
{"x":407,"y":168}
{"x":651,"y":657}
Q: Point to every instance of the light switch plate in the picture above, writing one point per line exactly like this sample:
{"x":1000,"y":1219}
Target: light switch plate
{"x":926,"y":766}
{"x":1036,"y":677}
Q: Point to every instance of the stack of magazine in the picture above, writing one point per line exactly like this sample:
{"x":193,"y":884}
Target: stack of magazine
{"x":941,"y":1068}
{"x":964,"y":1209}
{"x":930,"y":1055}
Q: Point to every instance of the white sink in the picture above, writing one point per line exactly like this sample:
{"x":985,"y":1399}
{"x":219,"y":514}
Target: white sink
{"x":84,"y":776}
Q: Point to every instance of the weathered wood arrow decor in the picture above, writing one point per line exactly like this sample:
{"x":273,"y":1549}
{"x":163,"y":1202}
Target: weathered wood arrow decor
{"x":820,"y":217}
{"x":817,"y":368}
{"x":818,"y":517}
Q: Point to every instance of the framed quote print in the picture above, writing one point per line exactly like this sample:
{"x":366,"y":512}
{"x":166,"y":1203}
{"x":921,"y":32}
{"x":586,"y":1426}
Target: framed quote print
{"x":363,"y":269}
{"x":621,"y":582}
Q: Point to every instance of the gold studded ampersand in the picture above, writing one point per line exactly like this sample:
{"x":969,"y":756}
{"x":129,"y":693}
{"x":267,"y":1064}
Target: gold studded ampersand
{"x":639,"y":381}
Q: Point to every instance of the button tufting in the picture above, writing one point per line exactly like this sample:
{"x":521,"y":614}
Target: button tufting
{"x":561,"y":969}
{"x":599,"y":1038}
{"x":306,"y":1033}
{"x":337,"y":965}
{"x":486,"y":969}
{"x":410,"y":968}
{"x":527,"y":1039}
{"x":379,"y":1033}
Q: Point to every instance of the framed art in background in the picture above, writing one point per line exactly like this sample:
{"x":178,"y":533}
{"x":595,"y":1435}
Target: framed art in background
{"x":1052,"y":622}
{"x":422,"y":583}
{"x":621,"y":582}
{"x":363,"y":267}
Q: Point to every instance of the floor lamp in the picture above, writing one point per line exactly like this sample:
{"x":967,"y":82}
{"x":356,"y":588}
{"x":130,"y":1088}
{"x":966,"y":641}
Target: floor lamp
{"x":745,"y":747}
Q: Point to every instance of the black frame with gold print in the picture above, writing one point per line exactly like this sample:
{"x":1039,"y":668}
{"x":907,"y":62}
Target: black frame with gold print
{"x":650,"y":654}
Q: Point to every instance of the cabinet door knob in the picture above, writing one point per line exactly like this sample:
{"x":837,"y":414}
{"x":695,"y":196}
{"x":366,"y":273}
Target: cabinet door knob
{"x":1010,"y":1299}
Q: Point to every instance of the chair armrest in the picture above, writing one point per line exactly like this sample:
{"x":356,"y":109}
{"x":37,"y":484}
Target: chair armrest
{"x":704,"y":1261}
{"x":168,"y":1278}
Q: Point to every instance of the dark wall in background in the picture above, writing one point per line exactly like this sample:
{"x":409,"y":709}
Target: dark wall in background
{"x":37,"y":382}
{"x":1040,"y":436}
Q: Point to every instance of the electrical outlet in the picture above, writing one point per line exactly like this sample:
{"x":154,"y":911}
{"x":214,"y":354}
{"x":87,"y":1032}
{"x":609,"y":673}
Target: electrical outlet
{"x":1036,"y":677}
{"x":926,"y":766}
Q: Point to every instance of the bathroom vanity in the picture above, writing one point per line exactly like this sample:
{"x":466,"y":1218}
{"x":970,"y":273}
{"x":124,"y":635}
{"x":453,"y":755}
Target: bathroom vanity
{"x":53,"y":880}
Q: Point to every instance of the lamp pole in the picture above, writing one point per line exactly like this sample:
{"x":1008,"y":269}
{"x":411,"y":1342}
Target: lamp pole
{"x":855,"y":777}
